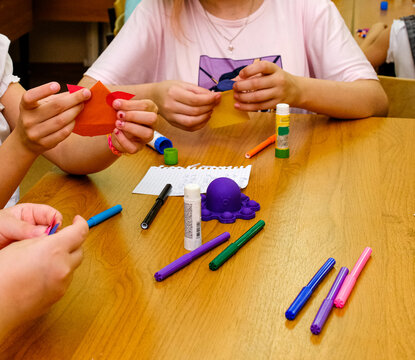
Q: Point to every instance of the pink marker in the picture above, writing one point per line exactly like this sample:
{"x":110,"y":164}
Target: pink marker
{"x":52,"y":224}
{"x":350,"y":280}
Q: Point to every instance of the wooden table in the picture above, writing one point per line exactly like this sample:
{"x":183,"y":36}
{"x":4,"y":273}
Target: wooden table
{"x":347,"y":185}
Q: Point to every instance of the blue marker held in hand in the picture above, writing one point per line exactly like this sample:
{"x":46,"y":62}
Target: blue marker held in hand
{"x":99,"y":218}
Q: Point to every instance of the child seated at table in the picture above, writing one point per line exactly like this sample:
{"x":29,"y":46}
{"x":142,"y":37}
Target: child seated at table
{"x":40,"y":121}
{"x":392,"y":44}
{"x":175,"y":51}
{"x":36,"y":269}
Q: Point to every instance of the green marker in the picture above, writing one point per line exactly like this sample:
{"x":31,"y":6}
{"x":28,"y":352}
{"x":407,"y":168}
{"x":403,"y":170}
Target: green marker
{"x":219,"y":260}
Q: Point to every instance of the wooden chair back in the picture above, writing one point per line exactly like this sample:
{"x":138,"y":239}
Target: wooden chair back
{"x":401,"y":94}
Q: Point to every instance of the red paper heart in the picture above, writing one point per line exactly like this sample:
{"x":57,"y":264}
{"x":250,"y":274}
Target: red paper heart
{"x":73,"y":88}
{"x":118,"y":95}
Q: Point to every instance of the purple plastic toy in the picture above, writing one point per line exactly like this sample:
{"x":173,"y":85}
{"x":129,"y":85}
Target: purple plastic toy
{"x":225,"y":202}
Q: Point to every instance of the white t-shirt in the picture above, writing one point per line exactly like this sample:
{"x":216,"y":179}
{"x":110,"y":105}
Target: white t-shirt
{"x":305,"y":37}
{"x":6,"y":78}
{"x":399,"y":51}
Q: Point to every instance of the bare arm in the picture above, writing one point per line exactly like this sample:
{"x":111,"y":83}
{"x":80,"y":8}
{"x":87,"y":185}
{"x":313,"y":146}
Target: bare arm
{"x":262,"y":85}
{"x":376,"y":44}
{"x":15,"y":162}
{"x":87,"y":154}
{"x":35,"y":127}
{"x":344,"y":100}
{"x":73,"y":153}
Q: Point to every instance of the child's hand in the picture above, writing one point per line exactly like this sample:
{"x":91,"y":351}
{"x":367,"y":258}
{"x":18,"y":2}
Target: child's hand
{"x":36,"y":273}
{"x":25,"y":221}
{"x":262,"y":85}
{"x":185,"y":105}
{"x":47,"y":119}
{"x":134,"y":125}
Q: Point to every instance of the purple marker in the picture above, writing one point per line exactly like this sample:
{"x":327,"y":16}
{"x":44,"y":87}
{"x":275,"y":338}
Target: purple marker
{"x":188,"y":258}
{"x":328,"y":302}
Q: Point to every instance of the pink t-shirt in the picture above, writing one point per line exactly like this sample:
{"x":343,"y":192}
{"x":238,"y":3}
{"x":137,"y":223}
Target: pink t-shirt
{"x":305,"y":37}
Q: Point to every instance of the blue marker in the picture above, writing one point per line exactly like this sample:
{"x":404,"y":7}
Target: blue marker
{"x":99,"y":218}
{"x":306,"y":292}
{"x":53,"y":230}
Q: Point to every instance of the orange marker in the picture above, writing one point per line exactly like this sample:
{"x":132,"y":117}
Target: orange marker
{"x":260,"y":147}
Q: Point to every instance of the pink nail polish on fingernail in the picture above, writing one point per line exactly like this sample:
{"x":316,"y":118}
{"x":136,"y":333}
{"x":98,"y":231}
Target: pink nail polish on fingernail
{"x":116,"y":103}
{"x":116,"y":131}
{"x":119,"y":123}
{"x":121,"y":115}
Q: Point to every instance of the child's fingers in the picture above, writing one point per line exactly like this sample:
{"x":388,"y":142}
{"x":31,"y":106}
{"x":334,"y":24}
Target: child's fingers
{"x":138,"y":105}
{"x":50,"y":141}
{"x":36,"y":214}
{"x":197,"y":89}
{"x":16,"y":230}
{"x":265,"y":105}
{"x":62,"y":123}
{"x":257,"y":69}
{"x":62,"y":102}
{"x":31,"y":97}
{"x":76,"y":257}
{"x":143,"y":133}
{"x":197,"y":99}
{"x":73,"y":236}
{"x":125,"y":144}
{"x":138,"y":117}
{"x":257,"y":96}
{"x":192,"y":123}
{"x":191,"y":111}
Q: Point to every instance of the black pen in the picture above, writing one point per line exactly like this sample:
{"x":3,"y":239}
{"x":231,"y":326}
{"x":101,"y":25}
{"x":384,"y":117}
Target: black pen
{"x":156,"y":207}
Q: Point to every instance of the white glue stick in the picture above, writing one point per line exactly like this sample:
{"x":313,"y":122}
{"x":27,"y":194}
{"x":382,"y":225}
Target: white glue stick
{"x":192,"y":217}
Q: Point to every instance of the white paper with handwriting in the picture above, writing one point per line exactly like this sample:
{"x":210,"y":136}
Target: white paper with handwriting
{"x":158,"y":176}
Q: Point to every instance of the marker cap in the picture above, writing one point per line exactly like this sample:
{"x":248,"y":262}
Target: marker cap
{"x":321,"y":316}
{"x":192,"y":244}
{"x":345,"y":291}
{"x":171,"y":156}
{"x":162,"y":143}
{"x":192,"y":191}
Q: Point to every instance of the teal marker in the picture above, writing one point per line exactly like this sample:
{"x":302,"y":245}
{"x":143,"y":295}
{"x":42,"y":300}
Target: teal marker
{"x":99,"y":218}
{"x":231,"y":250}
{"x":282,"y":122}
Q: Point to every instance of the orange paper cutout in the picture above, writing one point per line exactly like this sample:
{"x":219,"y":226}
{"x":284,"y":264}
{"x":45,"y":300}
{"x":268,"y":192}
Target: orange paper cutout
{"x":97,"y":117}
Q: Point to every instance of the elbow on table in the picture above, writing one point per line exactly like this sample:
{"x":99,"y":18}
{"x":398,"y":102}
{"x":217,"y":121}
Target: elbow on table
{"x":381,"y":105}
{"x":376,"y":101}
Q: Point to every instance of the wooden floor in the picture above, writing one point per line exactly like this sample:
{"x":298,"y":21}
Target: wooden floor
{"x":40,"y":74}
